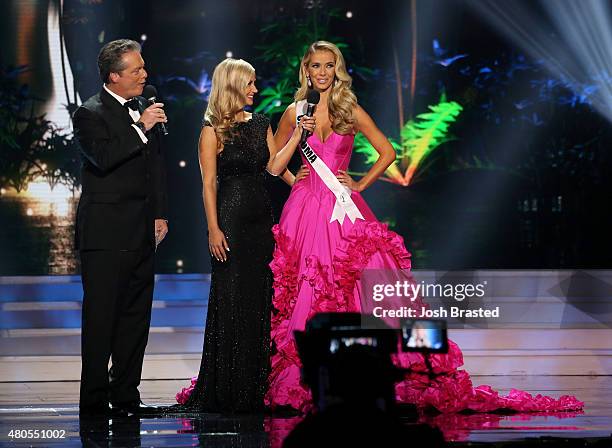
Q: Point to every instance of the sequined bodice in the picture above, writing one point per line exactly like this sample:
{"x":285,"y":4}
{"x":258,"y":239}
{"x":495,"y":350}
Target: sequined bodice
{"x":246,"y":153}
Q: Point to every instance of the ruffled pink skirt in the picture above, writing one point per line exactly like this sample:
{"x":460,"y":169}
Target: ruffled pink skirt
{"x":317,"y":267}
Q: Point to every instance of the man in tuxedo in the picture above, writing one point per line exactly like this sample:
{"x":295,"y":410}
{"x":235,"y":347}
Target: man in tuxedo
{"x":120,"y":222}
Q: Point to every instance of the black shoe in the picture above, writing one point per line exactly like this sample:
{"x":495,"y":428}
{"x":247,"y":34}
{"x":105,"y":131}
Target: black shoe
{"x":137,"y":408}
{"x":100,"y":411}
{"x":94,"y":411}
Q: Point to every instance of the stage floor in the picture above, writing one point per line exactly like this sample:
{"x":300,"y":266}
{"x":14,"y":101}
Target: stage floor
{"x":53,"y":406}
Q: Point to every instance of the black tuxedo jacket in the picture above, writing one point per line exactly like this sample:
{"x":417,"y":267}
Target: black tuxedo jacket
{"x":123,"y":179}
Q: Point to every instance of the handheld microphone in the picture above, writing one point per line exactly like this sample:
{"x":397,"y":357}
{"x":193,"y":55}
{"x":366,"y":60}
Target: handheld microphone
{"x":150,"y":93}
{"x":312,"y":98}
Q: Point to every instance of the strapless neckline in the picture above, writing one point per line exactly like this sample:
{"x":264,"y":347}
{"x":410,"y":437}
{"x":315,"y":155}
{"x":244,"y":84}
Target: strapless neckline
{"x":329,"y":137}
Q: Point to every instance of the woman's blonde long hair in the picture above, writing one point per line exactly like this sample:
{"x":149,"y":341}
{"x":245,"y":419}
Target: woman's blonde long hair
{"x":229,"y":82}
{"x":342,"y":101}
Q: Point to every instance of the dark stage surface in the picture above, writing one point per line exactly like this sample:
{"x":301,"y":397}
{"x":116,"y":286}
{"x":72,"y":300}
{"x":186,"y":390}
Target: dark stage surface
{"x":52,"y":406}
{"x":40,"y":366}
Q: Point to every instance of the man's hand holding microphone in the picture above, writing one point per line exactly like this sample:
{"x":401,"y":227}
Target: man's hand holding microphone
{"x":155,"y":112}
{"x":152,"y":115}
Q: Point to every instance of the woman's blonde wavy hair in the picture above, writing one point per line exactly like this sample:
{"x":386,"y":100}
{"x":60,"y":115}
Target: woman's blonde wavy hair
{"x":342,"y":101}
{"x":229,"y":82}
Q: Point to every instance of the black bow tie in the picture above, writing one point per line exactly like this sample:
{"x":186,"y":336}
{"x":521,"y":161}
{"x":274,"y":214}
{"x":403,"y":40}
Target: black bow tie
{"x":132,"y":104}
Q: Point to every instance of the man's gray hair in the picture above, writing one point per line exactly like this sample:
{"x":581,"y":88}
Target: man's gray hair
{"x":110,"y":57}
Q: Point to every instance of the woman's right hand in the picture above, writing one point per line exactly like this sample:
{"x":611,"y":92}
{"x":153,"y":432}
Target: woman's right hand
{"x":217,"y":244}
{"x":303,"y":172}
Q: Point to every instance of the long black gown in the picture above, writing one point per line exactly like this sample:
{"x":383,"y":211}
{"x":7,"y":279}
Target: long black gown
{"x":235,"y":363}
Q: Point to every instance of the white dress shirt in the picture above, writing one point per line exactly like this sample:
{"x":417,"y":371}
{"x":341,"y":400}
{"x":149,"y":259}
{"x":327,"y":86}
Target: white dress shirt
{"x":133,"y":113}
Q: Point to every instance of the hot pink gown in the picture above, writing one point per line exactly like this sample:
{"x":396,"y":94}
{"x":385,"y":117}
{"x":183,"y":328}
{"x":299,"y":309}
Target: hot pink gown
{"x":317,"y":267}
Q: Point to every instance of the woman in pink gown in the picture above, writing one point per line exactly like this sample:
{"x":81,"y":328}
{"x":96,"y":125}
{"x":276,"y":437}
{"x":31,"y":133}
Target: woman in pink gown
{"x":318,"y":261}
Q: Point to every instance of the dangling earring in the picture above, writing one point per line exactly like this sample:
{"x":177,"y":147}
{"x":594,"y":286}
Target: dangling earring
{"x":309,"y":82}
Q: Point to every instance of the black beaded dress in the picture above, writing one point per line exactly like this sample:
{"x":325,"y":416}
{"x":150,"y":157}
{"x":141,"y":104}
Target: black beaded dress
{"x":235,"y":363}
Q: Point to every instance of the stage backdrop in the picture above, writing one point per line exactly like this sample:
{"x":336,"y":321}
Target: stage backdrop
{"x":502,"y":139}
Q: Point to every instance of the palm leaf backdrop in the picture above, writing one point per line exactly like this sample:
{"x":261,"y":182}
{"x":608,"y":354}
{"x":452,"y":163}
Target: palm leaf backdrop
{"x":422,"y":136}
{"x":419,"y":138}
{"x":32,"y":147}
{"x":285,"y":42}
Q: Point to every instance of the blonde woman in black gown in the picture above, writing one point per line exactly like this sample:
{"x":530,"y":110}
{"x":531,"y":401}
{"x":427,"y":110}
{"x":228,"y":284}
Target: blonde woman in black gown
{"x":236,"y":148}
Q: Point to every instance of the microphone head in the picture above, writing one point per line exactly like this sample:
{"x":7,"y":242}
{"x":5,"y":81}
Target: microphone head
{"x":313,"y":96}
{"x":149,"y":92}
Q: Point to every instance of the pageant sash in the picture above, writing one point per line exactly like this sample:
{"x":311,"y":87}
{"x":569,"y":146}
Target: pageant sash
{"x":344,"y":205}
